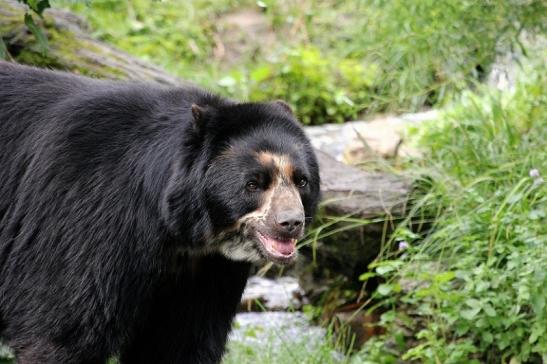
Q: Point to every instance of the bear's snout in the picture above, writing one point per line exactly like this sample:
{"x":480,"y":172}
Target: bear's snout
{"x":290,"y":221}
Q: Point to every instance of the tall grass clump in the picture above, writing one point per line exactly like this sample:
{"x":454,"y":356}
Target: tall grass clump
{"x":473,"y":287}
{"x":429,"y":50}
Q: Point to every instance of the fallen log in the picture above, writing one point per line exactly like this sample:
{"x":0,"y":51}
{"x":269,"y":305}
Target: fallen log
{"x":350,"y":191}
{"x":71,"y":47}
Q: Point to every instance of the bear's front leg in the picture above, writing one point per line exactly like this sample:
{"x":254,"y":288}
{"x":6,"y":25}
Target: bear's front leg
{"x":44,"y":351}
{"x":191,"y":314}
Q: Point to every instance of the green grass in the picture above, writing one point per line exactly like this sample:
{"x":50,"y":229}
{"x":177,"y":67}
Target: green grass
{"x":290,"y":351}
{"x":473,"y":289}
{"x":332,"y":60}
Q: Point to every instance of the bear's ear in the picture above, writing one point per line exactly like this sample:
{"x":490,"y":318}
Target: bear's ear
{"x":198,"y":116}
{"x":285,"y":106}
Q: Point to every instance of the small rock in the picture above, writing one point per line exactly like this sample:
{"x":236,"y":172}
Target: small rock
{"x":272,"y":294}
{"x":274,"y":328}
{"x":356,"y":141}
{"x":277,"y":337}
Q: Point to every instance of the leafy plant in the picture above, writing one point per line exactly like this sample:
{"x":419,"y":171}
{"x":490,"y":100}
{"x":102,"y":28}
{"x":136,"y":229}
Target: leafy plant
{"x":473,"y":289}
{"x":321,"y":89}
{"x":38,"y":7}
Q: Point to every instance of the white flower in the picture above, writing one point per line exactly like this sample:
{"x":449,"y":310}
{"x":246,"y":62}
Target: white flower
{"x":403,"y":245}
{"x":534,"y":173}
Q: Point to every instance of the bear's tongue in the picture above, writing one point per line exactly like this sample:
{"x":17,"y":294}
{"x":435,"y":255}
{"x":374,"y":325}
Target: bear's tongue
{"x":277,"y":246}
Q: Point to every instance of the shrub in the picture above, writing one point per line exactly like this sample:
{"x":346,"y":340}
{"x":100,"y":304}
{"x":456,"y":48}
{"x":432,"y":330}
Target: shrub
{"x":320,"y":88}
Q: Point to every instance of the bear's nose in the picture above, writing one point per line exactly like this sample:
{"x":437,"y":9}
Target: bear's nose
{"x":290,"y":220}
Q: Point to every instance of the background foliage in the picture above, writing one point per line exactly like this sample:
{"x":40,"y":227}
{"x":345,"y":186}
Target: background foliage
{"x":472,"y":289}
{"x":332,"y":60}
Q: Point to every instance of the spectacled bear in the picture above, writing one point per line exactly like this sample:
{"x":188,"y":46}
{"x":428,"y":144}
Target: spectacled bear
{"x":130,"y":214}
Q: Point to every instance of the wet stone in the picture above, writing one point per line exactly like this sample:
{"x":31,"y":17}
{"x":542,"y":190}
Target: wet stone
{"x":275,"y":329}
{"x":355,"y":141}
{"x":279,"y":294}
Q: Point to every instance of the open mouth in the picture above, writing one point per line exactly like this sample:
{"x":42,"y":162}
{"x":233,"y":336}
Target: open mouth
{"x":279,"y":250}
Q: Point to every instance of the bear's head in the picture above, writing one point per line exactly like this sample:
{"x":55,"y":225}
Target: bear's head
{"x":261,"y":180}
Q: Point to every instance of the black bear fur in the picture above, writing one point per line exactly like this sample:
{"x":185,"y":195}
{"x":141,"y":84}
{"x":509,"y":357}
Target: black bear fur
{"x":109,"y":205}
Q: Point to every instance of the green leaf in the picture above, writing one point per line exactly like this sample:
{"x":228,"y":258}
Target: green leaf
{"x":366,"y":276}
{"x":538,"y":303}
{"x":386,"y":266}
{"x":487,"y":337}
{"x":445,"y":277}
{"x":387,"y":317}
{"x":37,"y":32}
{"x":38,"y":6}
{"x":536,"y":214}
{"x":482,"y":286}
{"x":384,"y":289}
{"x":537,"y":332}
{"x":471,"y":313}
{"x":227,"y":81}
{"x":473,"y":303}
{"x":261,"y":73}
{"x":462,"y":328}
{"x":381,"y":270}
{"x":514,"y":198}
{"x":489,"y":310}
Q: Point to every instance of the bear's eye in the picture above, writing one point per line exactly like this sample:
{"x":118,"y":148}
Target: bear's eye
{"x":252,"y":185}
{"x":302,"y":182}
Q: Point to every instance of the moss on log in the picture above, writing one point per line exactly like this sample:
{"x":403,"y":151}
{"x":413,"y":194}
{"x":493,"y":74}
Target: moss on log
{"x":71,"y":48}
